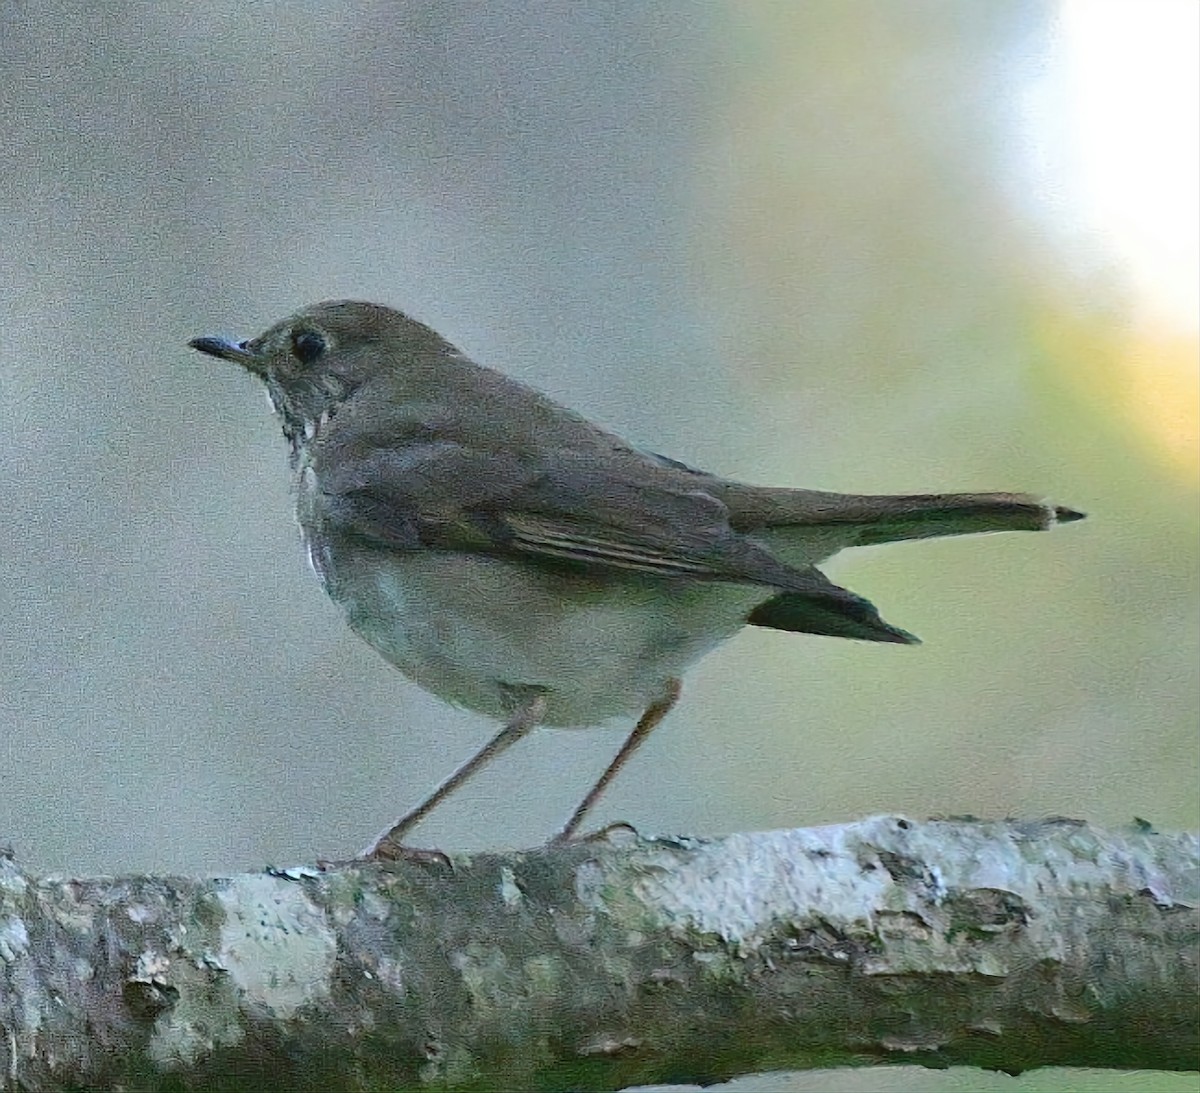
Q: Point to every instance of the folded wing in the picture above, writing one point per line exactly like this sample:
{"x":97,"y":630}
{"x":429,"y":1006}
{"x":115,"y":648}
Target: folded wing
{"x":566,"y":511}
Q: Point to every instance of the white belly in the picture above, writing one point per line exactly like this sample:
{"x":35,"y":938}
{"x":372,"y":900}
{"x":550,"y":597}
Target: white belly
{"x":469,"y":627}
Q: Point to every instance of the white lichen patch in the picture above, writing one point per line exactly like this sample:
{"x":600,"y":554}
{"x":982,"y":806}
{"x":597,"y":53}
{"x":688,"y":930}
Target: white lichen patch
{"x":961,"y":896}
{"x":510,"y":891}
{"x":742,"y":886}
{"x":14,"y":939}
{"x":12,"y":880}
{"x":276,"y":945}
{"x":151,"y":967}
{"x":274,"y":953}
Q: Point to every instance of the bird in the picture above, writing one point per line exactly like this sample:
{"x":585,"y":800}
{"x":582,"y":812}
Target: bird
{"x":514,"y":558}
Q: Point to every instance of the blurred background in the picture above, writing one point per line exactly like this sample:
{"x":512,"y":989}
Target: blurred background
{"x":881,"y":246}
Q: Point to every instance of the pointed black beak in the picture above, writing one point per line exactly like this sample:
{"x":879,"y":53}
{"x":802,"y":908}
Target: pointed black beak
{"x":228,"y":350}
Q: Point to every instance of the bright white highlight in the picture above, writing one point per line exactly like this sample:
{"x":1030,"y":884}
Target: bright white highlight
{"x":1133,"y":90}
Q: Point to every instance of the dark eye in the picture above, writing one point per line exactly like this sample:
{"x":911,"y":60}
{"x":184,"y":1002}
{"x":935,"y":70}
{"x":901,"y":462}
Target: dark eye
{"x":307,"y":346}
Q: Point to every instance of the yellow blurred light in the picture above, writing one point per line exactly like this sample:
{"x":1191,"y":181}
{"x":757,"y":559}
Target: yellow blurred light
{"x":1162,"y":393}
{"x":1132,"y":72}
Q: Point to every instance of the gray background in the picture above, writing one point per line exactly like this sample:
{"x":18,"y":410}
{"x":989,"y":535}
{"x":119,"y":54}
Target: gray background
{"x":815,"y":245}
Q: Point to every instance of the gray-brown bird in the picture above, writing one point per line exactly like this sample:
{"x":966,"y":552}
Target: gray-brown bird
{"x":512,"y":557}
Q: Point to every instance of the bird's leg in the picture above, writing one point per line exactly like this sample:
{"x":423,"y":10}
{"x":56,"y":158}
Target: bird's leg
{"x":529,"y":707}
{"x":645,"y":726}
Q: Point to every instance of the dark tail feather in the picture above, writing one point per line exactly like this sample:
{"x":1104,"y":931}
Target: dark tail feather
{"x":963,"y":514}
{"x":828,"y":610}
{"x":876,"y":519}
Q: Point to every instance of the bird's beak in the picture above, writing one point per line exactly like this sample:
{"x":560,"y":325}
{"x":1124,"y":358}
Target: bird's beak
{"x":229,"y":350}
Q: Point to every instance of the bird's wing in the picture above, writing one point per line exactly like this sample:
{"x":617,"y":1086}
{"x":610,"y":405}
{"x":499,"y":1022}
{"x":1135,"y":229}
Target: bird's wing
{"x":568,"y":508}
{"x":562,"y":506}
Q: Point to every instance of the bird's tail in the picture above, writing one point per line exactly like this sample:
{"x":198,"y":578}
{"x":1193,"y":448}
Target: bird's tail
{"x":863,"y":519}
{"x":804,"y":526}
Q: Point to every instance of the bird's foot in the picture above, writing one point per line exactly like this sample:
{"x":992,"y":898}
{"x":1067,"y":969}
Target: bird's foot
{"x":620,"y":833}
{"x":383,"y":851}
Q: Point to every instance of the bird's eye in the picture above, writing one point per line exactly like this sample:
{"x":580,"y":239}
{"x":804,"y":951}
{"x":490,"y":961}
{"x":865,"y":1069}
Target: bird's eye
{"x":307,"y":346}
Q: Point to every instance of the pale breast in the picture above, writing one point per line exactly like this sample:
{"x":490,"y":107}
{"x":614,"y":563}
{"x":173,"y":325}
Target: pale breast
{"x":467,"y":627}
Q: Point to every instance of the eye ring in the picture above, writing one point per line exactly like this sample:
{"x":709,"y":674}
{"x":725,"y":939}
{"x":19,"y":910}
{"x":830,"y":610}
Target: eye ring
{"x":308,"y":346}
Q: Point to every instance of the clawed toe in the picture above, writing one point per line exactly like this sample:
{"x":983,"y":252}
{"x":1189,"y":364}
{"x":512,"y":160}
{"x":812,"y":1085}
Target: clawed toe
{"x":383,"y":852}
{"x":618,"y":834}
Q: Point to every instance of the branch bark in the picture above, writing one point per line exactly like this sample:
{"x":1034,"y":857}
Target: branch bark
{"x":617,"y":962}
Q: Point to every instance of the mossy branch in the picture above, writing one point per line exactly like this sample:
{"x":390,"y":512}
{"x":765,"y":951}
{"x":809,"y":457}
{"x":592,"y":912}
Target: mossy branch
{"x":617,"y":962}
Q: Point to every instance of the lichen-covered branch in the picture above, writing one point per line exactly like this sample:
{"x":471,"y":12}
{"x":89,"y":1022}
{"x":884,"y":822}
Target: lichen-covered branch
{"x":613,"y":963}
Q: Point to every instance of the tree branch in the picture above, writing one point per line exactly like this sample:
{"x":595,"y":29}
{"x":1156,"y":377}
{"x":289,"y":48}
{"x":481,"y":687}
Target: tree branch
{"x":597,"y":966}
